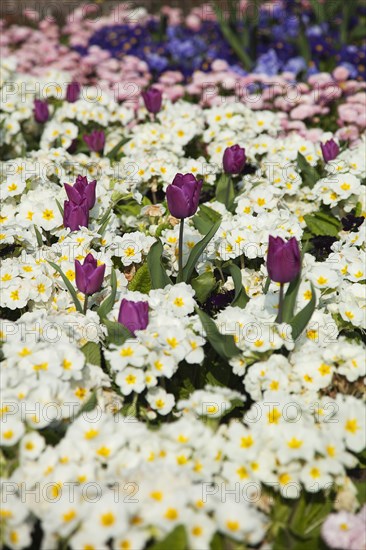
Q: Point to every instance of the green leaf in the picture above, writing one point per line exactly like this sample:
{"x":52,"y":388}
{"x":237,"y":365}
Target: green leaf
{"x":358,"y":33}
{"x":107,"y":305}
{"x":300,"y":321}
{"x":197,"y":251}
{"x":116,"y":149}
{"x":241,"y":298}
{"x":91,"y":350}
{"x":204,"y":219}
{"x":176,"y":540}
{"x":361,"y":491}
{"x":104,"y":221}
{"x":158,"y":275}
{"x":309,"y":174}
{"x":38,"y":236}
{"x":60,"y":208}
{"x":117,"y":333}
{"x":223,"y":344}
{"x":141,"y":280}
{"x":225,"y":191}
{"x":358,"y":209}
{"x":266,"y":285}
{"x":90,"y":404}
{"x":69,"y":286}
{"x":216,"y":542}
{"x":203,"y":286}
{"x":322,"y":223}
{"x":289,"y":301}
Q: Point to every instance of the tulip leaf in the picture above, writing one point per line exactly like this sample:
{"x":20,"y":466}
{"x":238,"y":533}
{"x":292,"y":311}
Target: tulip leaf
{"x":107,"y":305}
{"x":69,"y":286}
{"x":241,"y":298}
{"x":289,"y":301}
{"x":158,"y":275}
{"x":301,"y":319}
{"x":104,"y":221}
{"x":60,"y":208}
{"x":91,"y":350}
{"x":225,"y":191}
{"x":117,"y":333}
{"x":177,"y":540}
{"x":203,"y":286}
{"x":309,"y":174}
{"x":116,"y":149}
{"x":197,"y":251}
{"x":38,"y":236}
{"x":223,"y":344}
{"x":322,"y":224}
{"x":204,"y":219}
{"x":141,"y":280}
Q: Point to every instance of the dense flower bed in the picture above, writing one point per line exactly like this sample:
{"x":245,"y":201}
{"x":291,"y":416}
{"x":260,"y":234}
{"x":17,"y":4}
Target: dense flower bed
{"x":183,"y":304}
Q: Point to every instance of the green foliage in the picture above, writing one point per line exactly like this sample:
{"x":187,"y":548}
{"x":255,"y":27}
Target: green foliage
{"x":107,"y":305}
{"x":301,"y":319}
{"x":117,"y":333}
{"x":309,"y":174}
{"x":38,"y":236}
{"x":225,"y":191}
{"x":92,"y":353}
{"x":203,"y":285}
{"x":158,"y":275}
{"x":204,"y":219}
{"x":322,"y":223}
{"x":197,"y":251}
{"x":176,"y":540}
{"x":68,"y":285}
{"x":241,"y":298}
{"x":141,"y":280}
{"x":223,"y":344}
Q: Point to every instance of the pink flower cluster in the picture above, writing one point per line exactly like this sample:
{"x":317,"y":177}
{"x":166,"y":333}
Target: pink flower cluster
{"x":40,"y":46}
{"x":345,"y":531}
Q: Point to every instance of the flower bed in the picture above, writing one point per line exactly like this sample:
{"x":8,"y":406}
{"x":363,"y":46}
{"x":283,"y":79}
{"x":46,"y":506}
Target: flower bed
{"x":183,"y":304}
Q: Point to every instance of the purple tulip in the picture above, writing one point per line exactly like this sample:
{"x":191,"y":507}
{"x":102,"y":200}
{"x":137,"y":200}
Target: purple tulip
{"x":183,"y":195}
{"x":95,"y":141}
{"x":76,"y":215}
{"x":89,"y":276}
{"x":283,"y":259}
{"x":40,"y":110}
{"x":82,"y":189}
{"x":153,"y":99}
{"x":73,"y":92}
{"x":234,"y":159}
{"x":134,"y":315}
{"x":330,"y":150}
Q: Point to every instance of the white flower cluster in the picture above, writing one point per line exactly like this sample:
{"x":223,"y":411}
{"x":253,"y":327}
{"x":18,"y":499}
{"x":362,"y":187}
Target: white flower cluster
{"x":112,"y":441}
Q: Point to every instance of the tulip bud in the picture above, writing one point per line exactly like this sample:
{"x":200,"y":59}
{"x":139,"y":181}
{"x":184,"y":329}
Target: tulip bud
{"x":134,"y":315}
{"x":234,"y":159}
{"x":82,"y":189}
{"x":89,"y":276}
{"x":73,"y":92}
{"x":330,"y":150}
{"x":183,"y":195}
{"x":283,"y":259}
{"x":40,"y":110}
{"x":153,"y":99}
{"x":95,"y":140}
{"x":76,"y":215}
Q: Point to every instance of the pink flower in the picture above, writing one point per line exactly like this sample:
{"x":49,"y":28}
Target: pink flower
{"x":337,"y":530}
{"x":341,"y":73}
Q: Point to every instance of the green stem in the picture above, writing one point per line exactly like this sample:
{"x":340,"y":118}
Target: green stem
{"x":180,"y":252}
{"x":227,"y":195}
{"x":85,"y":304}
{"x":280,"y":304}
